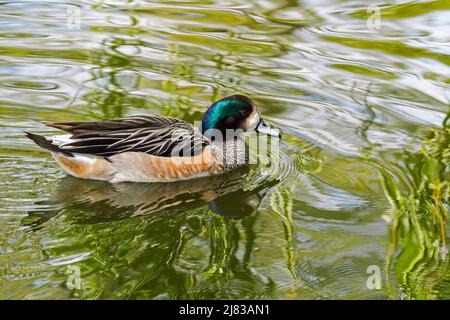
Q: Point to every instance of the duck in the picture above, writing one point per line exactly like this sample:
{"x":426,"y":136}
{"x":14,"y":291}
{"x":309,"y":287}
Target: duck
{"x":153,"y":148}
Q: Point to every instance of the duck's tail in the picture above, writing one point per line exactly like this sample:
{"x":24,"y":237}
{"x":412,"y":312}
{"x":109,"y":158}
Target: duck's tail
{"x":46,"y":143}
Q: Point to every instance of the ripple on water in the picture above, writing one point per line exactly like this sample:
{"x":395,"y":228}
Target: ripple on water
{"x":24,"y":85}
{"x":351,"y":102}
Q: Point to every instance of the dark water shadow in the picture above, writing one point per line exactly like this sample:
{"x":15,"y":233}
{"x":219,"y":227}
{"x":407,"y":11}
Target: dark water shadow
{"x":98,"y":201}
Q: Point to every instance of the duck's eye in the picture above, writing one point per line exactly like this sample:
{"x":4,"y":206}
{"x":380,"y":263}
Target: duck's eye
{"x":244,"y":113}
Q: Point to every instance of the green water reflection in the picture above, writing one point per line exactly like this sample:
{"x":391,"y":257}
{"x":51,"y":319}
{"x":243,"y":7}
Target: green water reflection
{"x":362,"y":179}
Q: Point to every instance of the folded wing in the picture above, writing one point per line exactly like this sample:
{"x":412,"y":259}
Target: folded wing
{"x":155,"y":135}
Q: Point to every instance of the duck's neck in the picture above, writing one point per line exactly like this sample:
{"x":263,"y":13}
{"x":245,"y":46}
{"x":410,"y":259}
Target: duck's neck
{"x":233,"y":153}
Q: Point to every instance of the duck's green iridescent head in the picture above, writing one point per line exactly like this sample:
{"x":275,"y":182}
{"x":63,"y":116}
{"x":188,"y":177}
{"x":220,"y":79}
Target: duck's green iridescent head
{"x":235,"y":112}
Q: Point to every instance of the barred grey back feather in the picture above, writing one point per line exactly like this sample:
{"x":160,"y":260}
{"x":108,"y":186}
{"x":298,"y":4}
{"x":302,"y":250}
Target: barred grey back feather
{"x":155,"y":135}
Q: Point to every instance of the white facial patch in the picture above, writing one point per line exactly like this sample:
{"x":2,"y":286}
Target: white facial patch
{"x":252,"y":121}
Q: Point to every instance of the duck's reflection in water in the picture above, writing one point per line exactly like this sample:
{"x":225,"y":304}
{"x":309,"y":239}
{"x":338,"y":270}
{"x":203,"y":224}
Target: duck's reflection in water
{"x":96,"y":201}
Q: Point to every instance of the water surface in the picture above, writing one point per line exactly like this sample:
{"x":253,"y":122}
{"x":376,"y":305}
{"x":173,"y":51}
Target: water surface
{"x":364,"y":161}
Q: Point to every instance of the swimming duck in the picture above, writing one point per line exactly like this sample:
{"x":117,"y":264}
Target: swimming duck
{"x":156,"y":148}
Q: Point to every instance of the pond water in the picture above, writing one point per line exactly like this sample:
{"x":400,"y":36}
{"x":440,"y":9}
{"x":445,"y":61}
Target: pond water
{"x":360,"y":194}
